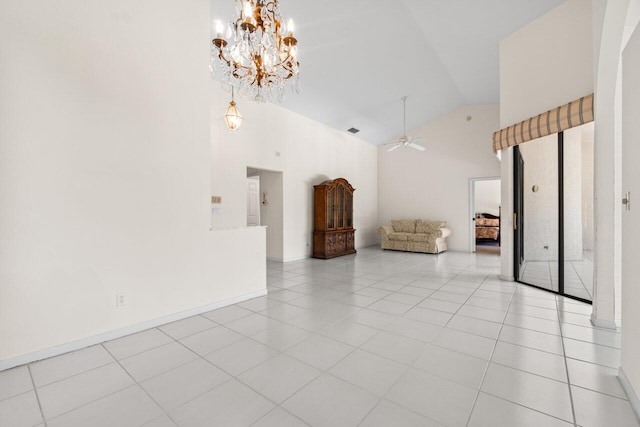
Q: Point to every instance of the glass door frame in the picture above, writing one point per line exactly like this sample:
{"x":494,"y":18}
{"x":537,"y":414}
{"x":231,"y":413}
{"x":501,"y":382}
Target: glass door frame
{"x":518,"y":229}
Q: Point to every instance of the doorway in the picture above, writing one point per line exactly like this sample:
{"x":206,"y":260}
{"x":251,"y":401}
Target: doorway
{"x":265,"y":207}
{"x":554,"y":212}
{"x":484,"y":203}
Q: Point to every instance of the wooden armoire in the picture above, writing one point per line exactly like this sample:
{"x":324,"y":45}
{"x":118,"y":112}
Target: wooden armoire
{"x":333,"y":233}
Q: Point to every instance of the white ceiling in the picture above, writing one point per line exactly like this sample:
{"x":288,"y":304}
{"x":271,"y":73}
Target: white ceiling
{"x":359,"y":57}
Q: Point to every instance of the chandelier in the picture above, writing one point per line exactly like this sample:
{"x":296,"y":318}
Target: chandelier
{"x":257,"y":53}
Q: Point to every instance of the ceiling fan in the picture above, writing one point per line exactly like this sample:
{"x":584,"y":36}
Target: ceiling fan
{"x":405,"y":141}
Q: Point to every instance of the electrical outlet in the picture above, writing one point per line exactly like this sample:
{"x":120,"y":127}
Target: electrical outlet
{"x":121,"y":300}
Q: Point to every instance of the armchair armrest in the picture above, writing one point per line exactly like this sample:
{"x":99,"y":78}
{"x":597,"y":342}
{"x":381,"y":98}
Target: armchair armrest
{"x":444,"y":232}
{"x":441,"y":232}
{"x":385,"y":230}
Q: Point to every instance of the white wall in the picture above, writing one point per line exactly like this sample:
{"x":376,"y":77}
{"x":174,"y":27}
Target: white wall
{"x":630,"y":368}
{"x":105,"y":177}
{"x":487,"y":196}
{"x":609,"y":20}
{"x":306,"y":152}
{"x":543,"y":65}
{"x":546,"y":63}
{"x":434,"y":184}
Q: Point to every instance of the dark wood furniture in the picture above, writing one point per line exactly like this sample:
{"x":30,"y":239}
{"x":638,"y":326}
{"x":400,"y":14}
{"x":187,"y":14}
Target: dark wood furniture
{"x":333,"y":233}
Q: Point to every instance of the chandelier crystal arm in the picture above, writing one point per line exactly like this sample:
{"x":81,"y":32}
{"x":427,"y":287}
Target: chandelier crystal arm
{"x":258,"y":55}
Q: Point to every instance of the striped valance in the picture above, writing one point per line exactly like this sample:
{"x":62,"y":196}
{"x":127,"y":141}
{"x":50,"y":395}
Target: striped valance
{"x":573,"y":114}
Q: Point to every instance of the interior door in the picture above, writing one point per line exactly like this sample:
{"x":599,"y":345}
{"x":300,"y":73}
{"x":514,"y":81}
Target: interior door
{"x":538,"y":221}
{"x":578,"y":212}
{"x":253,"y":201}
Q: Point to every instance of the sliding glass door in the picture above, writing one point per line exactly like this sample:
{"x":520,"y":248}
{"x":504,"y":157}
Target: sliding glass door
{"x":539,"y":213}
{"x":579,"y":232}
{"x":553,"y":198}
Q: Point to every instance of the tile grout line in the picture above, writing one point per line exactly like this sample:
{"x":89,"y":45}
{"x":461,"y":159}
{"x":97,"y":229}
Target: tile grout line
{"x":76,"y":374}
{"x":484,"y":375}
{"x":81,"y":373}
{"x":235,"y":377}
{"x":359,"y":347}
{"x":408,"y":367}
{"x":35,"y":391}
{"x":231,"y":376}
{"x":136,"y":383}
{"x":566,"y":366}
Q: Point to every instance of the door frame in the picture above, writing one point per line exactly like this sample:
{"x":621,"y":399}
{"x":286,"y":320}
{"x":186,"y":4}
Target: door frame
{"x":472,"y":208}
{"x":518,"y":212}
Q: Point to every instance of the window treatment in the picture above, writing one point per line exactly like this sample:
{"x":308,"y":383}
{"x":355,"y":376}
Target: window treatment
{"x":573,"y":114}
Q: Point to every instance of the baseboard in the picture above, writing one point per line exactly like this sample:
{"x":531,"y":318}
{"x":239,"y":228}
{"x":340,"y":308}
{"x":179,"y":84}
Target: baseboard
{"x":296,"y":258}
{"x":275,"y":259}
{"x":631,"y":394}
{"x":604,"y":324}
{"x":506,"y":278}
{"x":119,"y":333}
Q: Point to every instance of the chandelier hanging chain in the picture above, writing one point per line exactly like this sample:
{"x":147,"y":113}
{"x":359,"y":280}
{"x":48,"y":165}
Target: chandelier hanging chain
{"x":258,"y":54}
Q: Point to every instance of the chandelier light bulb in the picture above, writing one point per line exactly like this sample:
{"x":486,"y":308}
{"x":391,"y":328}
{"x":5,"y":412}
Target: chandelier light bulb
{"x":248,"y":11}
{"x":219,"y":28}
{"x":290,"y":26}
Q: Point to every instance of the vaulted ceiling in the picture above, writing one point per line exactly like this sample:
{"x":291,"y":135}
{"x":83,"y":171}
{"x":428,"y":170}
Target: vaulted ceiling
{"x":359,"y":57}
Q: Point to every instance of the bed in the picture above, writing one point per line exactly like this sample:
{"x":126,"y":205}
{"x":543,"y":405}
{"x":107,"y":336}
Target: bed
{"x":487,"y":227}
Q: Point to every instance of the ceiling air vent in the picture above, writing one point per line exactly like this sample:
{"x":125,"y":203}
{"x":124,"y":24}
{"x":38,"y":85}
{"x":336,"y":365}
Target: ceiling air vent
{"x":353,"y":130}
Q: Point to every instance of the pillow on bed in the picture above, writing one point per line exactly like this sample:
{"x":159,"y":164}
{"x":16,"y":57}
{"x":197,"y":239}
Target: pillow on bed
{"x":490,"y":222}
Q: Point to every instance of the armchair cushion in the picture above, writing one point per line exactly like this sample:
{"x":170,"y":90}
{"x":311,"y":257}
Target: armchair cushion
{"x":400,"y":237}
{"x":419,"y":237}
{"x":429,"y":226}
{"x":404,"y":225}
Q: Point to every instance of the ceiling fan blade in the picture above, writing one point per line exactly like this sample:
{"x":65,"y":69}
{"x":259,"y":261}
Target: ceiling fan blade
{"x":417,"y":139}
{"x":398,"y":145}
{"x":395,"y":141}
{"x":416,"y":146}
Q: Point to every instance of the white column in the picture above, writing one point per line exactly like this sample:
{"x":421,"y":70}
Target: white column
{"x":506,"y":212}
{"x":606,"y":168}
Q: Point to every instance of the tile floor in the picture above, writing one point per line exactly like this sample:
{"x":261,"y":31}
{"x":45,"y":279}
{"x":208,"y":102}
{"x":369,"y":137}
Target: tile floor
{"x":578,"y":275}
{"x":375,"y":339}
